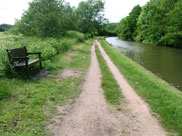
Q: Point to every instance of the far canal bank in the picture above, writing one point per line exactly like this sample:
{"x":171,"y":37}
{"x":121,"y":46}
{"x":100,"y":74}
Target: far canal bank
{"x":165,"y":62}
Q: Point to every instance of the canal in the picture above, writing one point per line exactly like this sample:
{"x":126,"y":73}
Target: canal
{"x":163,"y":61}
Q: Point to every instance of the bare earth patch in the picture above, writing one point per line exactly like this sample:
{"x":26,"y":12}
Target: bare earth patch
{"x":68,"y":73}
{"x":43,"y":74}
{"x":91,"y":115}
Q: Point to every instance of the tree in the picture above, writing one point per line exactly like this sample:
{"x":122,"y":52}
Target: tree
{"x":154,"y":20}
{"x":159,"y":23}
{"x":150,"y":24}
{"x":2,"y":29}
{"x":173,"y":31}
{"x":127,"y":27}
{"x":5,"y":27}
{"x":90,"y":17}
{"x":112,"y":26}
{"x":46,"y":18}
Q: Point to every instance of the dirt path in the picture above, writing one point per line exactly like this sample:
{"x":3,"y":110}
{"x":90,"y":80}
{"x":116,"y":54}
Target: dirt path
{"x":92,"y":116}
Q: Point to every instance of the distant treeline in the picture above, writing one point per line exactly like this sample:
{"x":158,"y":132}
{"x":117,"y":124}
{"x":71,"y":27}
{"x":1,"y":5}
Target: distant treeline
{"x":52,"y":18}
{"x":5,"y":27}
{"x":158,"y":22}
{"x":111,"y":29}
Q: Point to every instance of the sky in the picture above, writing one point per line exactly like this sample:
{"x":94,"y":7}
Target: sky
{"x":115,"y":10}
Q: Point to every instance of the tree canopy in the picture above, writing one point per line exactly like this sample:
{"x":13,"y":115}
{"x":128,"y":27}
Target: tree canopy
{"x":5,"y":27}
{"x":51,"y":18}
{"x":159,"y":22}
{"x":90,"y":16}
{"x":112,"y":26}
{"x":46,"y":18}
{"x":128,"y":25}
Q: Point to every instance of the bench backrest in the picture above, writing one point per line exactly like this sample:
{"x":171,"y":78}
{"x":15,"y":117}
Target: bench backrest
{"x":18,"y":52}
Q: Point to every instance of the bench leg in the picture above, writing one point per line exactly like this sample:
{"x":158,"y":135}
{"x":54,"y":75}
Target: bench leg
{"x":27,"y":69}
{"x":40,"y":65}
{"x":40,"y":61}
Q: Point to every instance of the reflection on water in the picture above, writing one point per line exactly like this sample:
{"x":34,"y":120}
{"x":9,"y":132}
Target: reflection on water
{"x":163,"y":61}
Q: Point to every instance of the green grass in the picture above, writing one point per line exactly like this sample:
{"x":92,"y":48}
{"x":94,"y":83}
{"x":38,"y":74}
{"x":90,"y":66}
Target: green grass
{"x":28,"y":110}
{"x":162,"y":98}
{"x":111,"y":89}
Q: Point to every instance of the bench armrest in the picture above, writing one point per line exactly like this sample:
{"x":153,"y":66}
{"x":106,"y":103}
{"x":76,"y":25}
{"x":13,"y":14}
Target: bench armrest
{"x":35,"y":53}
{"x":32,"y":53}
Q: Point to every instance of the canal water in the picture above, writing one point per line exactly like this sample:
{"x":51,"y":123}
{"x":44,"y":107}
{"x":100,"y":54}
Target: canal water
{"x":163,"y":61}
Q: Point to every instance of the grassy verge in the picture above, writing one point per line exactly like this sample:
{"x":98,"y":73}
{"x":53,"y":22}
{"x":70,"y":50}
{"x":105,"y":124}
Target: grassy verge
{"x":31,"y":105}
{"x":163,"y":98}
{"x":109,"y":84}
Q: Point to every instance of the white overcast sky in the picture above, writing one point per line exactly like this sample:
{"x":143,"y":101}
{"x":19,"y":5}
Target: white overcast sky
{"x":115,"y":10}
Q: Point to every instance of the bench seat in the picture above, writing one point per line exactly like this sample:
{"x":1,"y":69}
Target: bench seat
{"x":30,"y":62}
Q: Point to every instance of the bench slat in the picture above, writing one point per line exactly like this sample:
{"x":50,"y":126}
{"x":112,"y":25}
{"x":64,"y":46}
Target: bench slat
{"x":30,"y":61}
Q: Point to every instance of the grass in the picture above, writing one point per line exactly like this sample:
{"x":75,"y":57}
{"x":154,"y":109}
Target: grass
{"x":30,"y":105}
{"x":163,"y":99}
{"x":111,"y":89}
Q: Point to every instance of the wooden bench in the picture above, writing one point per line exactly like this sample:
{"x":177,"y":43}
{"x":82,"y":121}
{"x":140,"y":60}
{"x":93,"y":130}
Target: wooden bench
{"x":19,"y":58}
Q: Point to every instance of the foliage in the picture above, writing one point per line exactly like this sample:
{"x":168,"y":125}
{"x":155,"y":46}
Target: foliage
{"x":90,"y":16}
{"x":52,"y":18}
{"x":127,"y":27}
{"x":5,"y":27}
{"x":75,"y":35}
{"x":172,"y":39}
{"x":109,"y":29}
{"x":173,"y":33}
{"x":151,"y":23}
{"x":158,"y":23}
{"x":112,"y":26}
{"x":45,"y":18}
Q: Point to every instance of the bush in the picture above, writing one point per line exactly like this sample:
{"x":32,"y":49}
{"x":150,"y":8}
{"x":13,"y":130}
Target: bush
{"x":80,"y":37}
{"x":88,"y":35}
{"x":43,"y":46}
{"x":2,"y":29}
{"x":172,"y":39}
{"x":4,"y":62}
{"x":60,"y":45}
